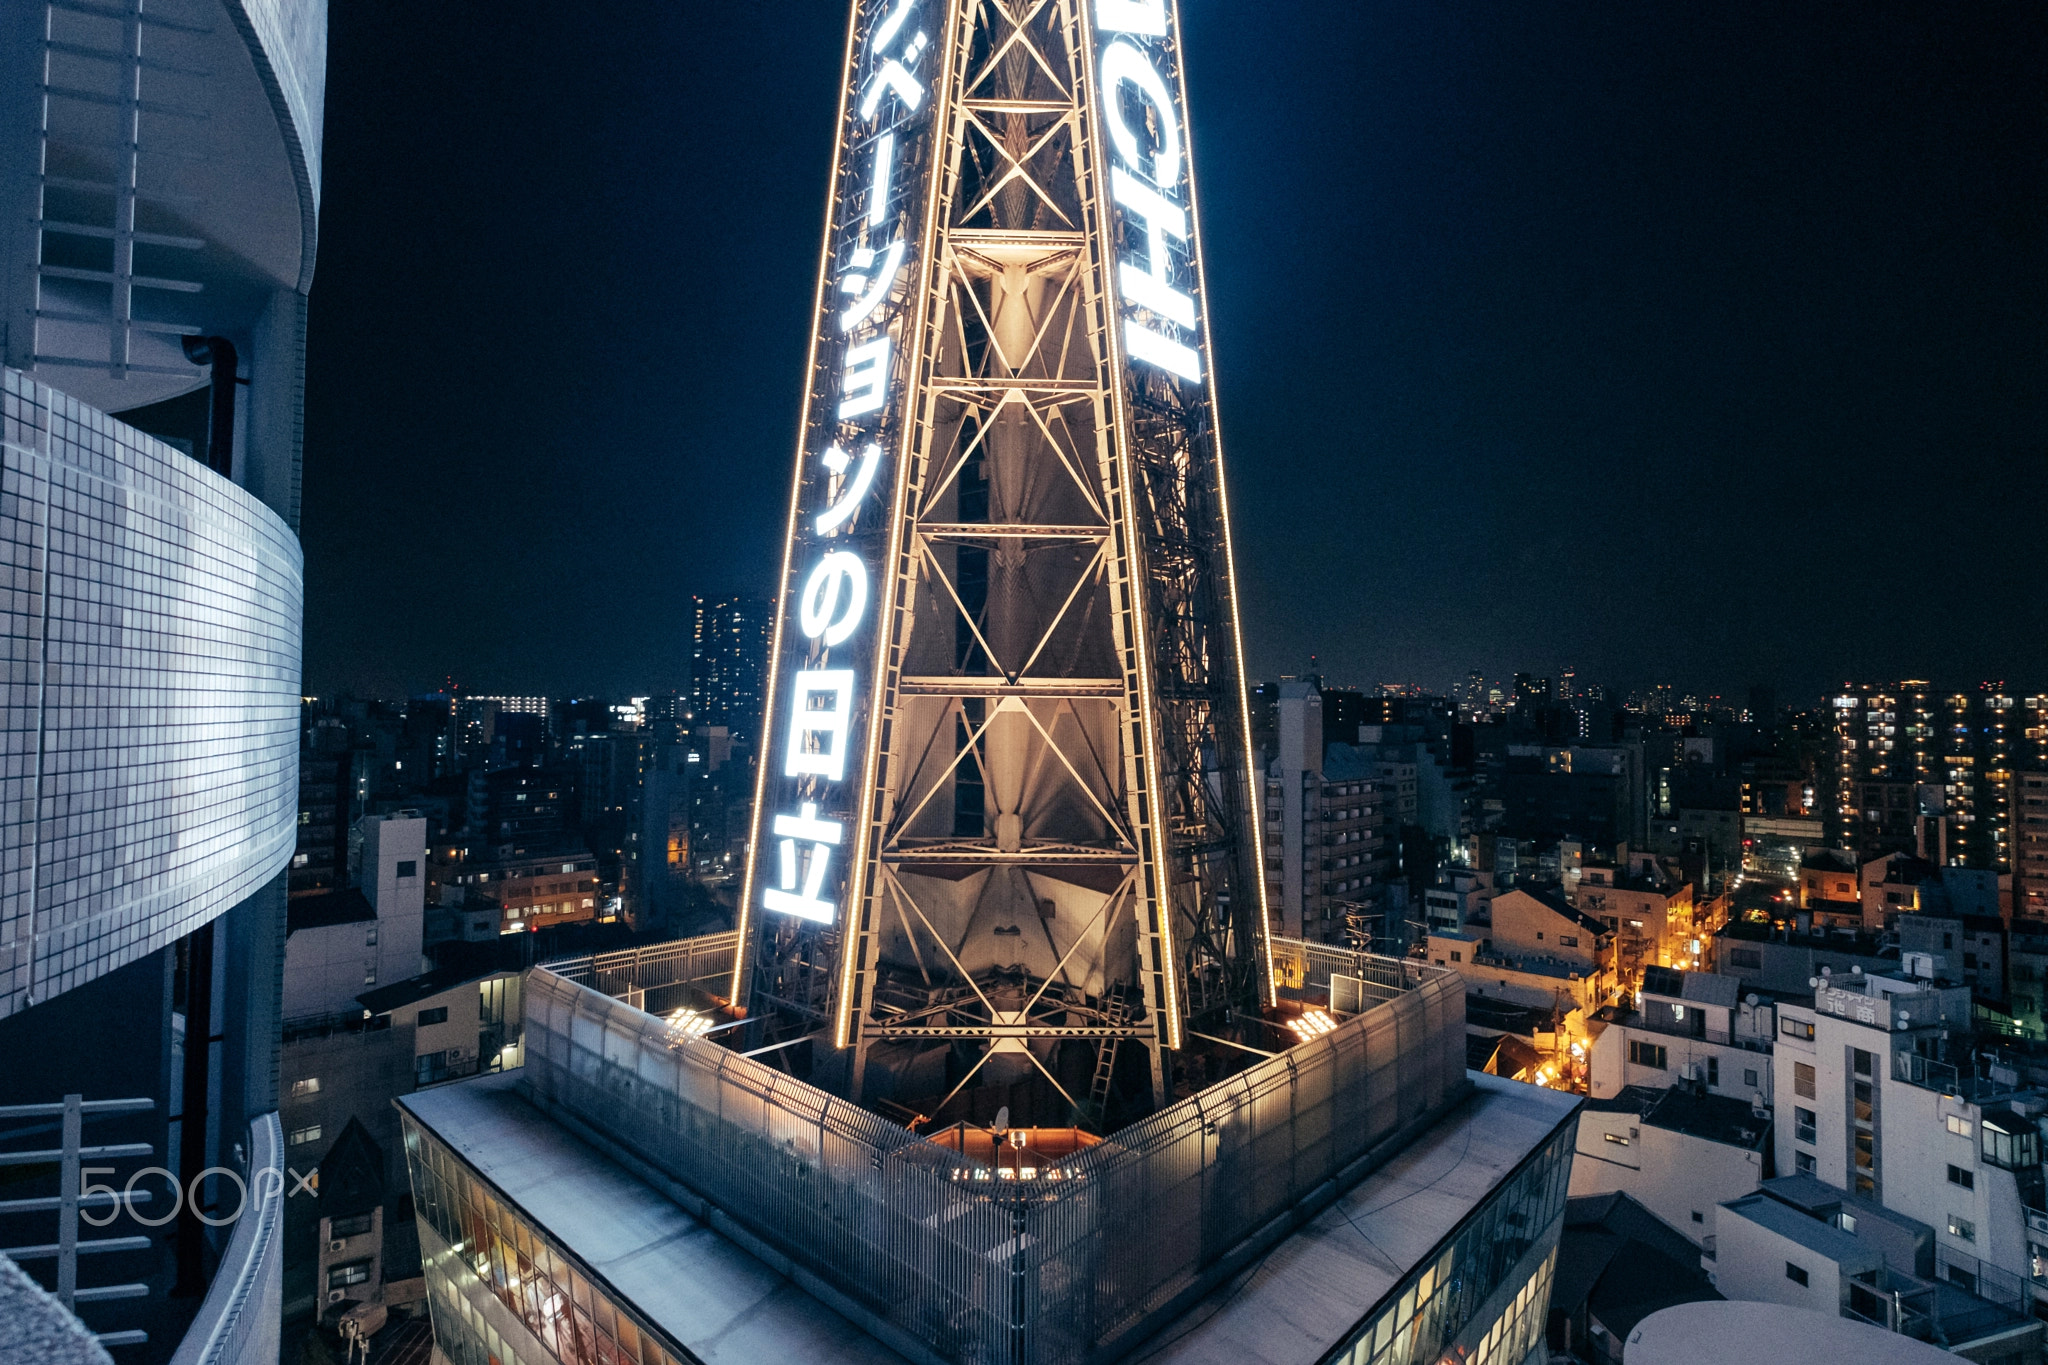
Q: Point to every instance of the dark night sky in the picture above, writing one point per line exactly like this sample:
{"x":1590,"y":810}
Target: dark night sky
{"x":1705,"y":342}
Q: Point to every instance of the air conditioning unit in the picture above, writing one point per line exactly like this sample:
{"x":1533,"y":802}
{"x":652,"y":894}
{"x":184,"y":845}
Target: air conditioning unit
{"x":337,"y":1245}
{"x":335,"y":1296}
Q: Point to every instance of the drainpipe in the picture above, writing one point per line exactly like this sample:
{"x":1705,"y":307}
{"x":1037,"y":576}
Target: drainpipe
{"x":218,"y":352}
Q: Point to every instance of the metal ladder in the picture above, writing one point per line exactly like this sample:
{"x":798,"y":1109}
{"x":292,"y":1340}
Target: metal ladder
{"x":1116,"y":1011}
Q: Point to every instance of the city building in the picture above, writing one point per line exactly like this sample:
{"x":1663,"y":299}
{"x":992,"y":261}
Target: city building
{"x":1801,"y":1243}
{"x":1648,"y":907}
{"x":524,"y":892}
{"x":339,"y":1074}
{"x":159,"y":177}
{"x":1695,"y":1028}
{"x":1459,"y":899}
{"x":475,"y":729}
{"x":1678,"y":1152}
{"x":729,"y":664}
{"x":1925,"y":770}
{"x":1617,"y":1264}
{"x":2030,"y":836}
{"x":1328,"y":827}
{"x":1883,"y":1093}
{"x":1782,"y":961}
{"x":341,"y":943}
{"x":1593,"y":794}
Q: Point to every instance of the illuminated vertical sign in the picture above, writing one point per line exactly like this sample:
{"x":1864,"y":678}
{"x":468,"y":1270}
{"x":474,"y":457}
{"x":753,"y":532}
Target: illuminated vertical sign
{"x":825,"y":646}
{"x":1150,"y":185}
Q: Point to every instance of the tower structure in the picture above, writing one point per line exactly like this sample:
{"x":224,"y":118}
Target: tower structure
{"x":1006,"y":801}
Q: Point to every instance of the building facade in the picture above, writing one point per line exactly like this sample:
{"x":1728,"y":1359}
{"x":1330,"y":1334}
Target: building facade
{"x":159,"y":176}
{"x":729,"y":664}
{"x":1920,"y":769}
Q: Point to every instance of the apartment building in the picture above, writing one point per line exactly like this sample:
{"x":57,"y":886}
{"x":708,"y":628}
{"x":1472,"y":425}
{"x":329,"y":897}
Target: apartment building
{"x":1881,"y":1094}
{"x":1695,"y":1028}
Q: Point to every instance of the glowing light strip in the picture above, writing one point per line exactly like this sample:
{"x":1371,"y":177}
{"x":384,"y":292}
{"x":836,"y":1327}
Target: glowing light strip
{"x":743,"y":952}
{"x":832,"y":604}
{"x":1254,"y":782}
{"x":1113,"y":16}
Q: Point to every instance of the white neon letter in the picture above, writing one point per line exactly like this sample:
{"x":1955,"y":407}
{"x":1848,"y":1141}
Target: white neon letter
{"x":1131,"y":16}
{"x":818,"y":608}
{"x":863,"y":307}
{"x":1149,"y":346}
{"x":894,"y":75}
{"x":798,"y":894}
{"x":817,"y":735}
{"x":1146,"y":285}
{"x":1122,"y":62}
{"x":864,"y":382}
{"x":885,"y":167}
{"x":886,"y":34}
{"x":836,"y":460}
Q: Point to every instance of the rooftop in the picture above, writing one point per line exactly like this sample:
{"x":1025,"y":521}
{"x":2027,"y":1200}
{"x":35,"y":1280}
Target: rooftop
{"x":724,"y":1303}
{"x":399,"y":994}
{"x":1694,"y":988}
{"x":711,"y":1297}
{"x":1716,"y":1118}
{"x":326,"y":909}
{"x":1325,"y":1279}
{"x":1820,"y":1238}
{"x":1553,"y":899}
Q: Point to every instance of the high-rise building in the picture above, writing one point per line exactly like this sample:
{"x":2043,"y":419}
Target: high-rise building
{"x":1005,"y":1063}
{"x":159,"y":176}
{"x":729,"y":664}
{"x":2030,"y":849}
{"x":1956,"y":749}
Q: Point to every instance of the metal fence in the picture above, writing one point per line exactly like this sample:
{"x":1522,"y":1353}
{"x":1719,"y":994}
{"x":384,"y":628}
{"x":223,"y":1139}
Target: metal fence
{"x":659,"y":977}
{"x":1308,"y":967}
{"x":1058,"y":1270}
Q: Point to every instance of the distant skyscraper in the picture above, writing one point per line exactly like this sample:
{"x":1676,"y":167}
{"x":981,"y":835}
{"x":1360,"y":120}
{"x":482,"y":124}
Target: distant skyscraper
{"x":729,"y":663}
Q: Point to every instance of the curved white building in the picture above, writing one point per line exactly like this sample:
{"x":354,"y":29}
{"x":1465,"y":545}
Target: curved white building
{"x":159,"y":187}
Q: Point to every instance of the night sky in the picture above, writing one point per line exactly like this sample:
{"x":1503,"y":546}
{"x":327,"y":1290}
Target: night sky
{"x":1699,"y":342}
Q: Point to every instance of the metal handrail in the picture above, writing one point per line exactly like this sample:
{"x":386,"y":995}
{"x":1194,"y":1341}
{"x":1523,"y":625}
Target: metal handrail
{"x":248,"y":1289}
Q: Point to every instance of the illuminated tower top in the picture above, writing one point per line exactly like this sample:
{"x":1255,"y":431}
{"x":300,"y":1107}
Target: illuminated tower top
{"x":1007,"y":793}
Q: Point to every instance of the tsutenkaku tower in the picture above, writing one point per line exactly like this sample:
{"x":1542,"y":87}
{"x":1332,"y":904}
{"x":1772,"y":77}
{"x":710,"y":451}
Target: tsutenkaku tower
{"x":1006,"y":795}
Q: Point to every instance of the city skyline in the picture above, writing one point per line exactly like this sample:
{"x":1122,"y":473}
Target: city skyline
{"x":1543,"y":850}
{"x":1663,"y":346}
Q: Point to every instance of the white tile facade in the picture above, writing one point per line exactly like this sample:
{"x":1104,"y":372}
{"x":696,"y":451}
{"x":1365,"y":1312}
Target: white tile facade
{"x":150,"y":625}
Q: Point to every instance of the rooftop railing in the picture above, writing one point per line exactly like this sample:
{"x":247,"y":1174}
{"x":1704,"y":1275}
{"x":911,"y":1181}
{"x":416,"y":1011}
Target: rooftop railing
{"x":1064,"y":1265}
{"x":238,"y":1322}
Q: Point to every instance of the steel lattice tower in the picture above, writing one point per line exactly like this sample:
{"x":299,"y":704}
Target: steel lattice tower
{"x":1006,"y":790}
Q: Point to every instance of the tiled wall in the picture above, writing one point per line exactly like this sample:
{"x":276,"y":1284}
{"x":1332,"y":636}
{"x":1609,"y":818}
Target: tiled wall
{"x":150,"y":626}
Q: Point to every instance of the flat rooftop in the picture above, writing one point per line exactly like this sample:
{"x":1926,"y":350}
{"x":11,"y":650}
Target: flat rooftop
{"x":714,"y":1299}
{"x":723,"y":1304}
{"x":1309,"y":1292}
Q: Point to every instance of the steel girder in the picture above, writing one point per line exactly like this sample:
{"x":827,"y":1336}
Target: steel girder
{"x":1058,"y":785}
